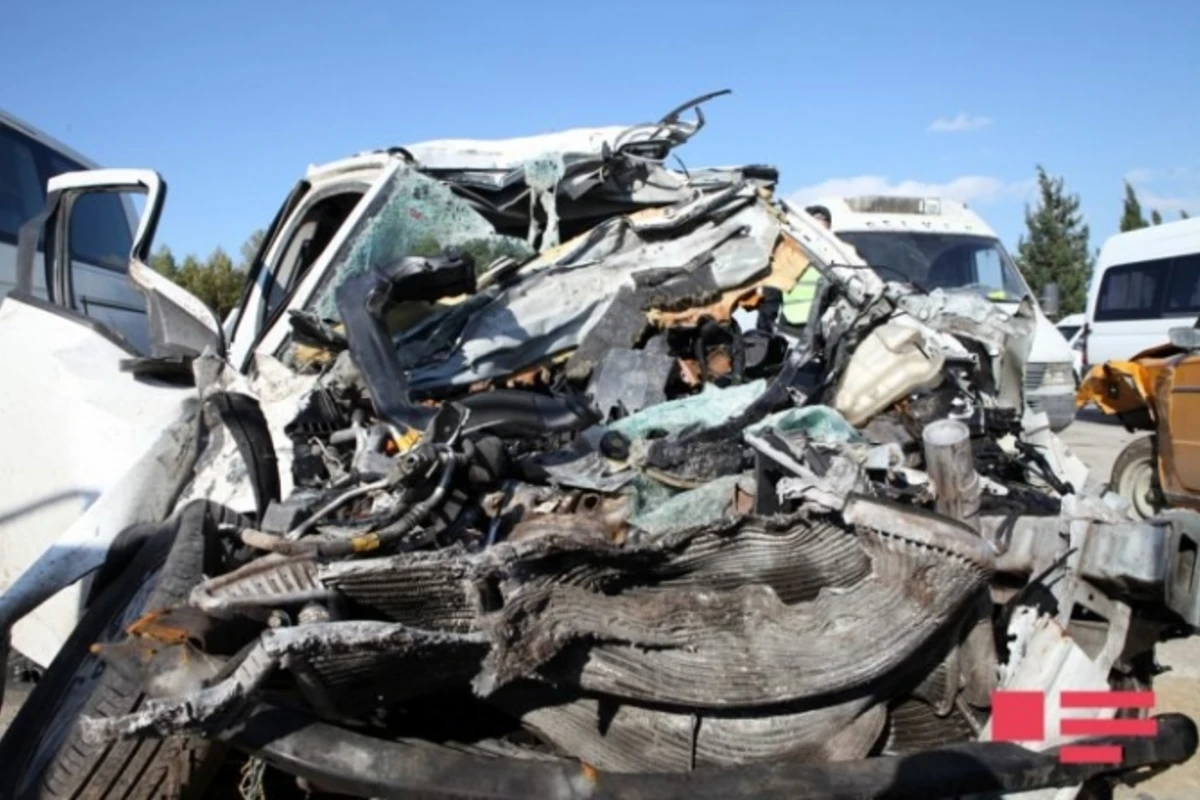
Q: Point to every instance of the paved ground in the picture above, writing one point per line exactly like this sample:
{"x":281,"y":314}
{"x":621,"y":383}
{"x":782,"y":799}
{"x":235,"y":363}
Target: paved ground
{"x":1097,"y":442}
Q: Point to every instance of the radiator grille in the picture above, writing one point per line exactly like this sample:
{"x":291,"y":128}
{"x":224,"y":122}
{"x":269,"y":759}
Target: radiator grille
{"x":1034,"y":372}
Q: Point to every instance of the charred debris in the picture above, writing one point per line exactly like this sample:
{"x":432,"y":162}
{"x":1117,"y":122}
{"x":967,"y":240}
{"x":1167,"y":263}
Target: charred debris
{"x":557,"y":488}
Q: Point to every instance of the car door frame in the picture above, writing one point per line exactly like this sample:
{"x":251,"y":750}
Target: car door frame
{"x":248,"y":335}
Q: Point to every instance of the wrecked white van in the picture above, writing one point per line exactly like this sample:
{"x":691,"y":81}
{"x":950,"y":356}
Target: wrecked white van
{"x":938,"y":243}
{"x":486,"y":491}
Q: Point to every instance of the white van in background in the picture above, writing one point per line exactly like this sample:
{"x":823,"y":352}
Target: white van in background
{"x":102,"y":230}
{"x":938,"y":243}
{"x":1145,"y":283}
{"x":1072,"y":327}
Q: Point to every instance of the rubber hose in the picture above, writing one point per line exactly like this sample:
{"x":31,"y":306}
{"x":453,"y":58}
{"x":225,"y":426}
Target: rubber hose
{"x":516,"y":412}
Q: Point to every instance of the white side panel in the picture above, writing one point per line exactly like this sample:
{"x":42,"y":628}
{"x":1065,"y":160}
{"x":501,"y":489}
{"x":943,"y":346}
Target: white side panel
{"x":1126,"y":338}
{"x":72,"y":425}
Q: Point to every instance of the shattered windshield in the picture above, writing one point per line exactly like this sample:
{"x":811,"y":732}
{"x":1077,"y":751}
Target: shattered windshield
{"x":414,"y":215}
{"x":941,"y":261}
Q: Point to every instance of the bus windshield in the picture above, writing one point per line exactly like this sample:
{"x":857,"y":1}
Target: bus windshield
{"x":945,"y":261}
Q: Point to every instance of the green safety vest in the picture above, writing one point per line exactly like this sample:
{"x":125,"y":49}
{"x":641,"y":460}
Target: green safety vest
{"x":799,"y":299}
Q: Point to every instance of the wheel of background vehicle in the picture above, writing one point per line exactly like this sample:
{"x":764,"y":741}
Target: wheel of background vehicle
{"x":1135,"y":477}
{"x":44,"y":739}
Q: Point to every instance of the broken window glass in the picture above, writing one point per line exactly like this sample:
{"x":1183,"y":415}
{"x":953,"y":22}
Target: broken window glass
{"x":414,"y":216}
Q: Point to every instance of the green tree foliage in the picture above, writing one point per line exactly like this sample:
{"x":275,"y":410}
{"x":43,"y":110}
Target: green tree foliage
{"x":215,"y":281}
{"x":1131,"y":218}
{"x":1184,"y":215}
{"x":162,"y":261}
{"x":1155,"y":217}
{"x":1055,"y":246}
{"x":219,"y":283}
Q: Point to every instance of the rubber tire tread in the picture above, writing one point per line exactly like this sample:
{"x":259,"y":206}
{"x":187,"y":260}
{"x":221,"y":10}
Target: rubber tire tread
{"x":133,"y":769}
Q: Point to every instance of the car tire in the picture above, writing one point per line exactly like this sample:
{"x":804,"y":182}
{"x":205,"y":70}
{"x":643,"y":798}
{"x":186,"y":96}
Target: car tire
{"x":1135,"y":477}
{"x":44,"y":738}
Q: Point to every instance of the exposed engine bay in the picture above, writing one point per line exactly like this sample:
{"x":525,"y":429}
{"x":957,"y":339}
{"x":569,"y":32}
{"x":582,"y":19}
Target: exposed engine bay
{"x":541,"y":505}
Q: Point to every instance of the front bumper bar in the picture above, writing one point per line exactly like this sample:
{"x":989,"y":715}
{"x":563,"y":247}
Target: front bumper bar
{"x":341,"y":760}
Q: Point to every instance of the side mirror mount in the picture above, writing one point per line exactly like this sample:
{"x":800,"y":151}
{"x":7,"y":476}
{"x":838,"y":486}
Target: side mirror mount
{"x":1050,"y":299}
{"x":1185,"y":338}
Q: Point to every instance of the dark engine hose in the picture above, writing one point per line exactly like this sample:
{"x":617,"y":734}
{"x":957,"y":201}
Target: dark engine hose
{"x":515,"y":412}
{"x":338,"y":548}
{"x":243,"y":418}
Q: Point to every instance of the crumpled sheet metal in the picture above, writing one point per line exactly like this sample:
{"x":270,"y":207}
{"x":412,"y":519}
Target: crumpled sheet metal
{"x":750,"y":616}
{"x":627,"y":738}
{"x":274,"y":646}
{"x":746,"y":622}
{"x":841,"y":261}
{"x":829,"y":491}
{"x":572,"y":145}
{"x":788,"y":262}
{"x":1008,"y":337}
{"x":553,"y":310}
{"x":1119,"y":387}
{"x":968,"y":314}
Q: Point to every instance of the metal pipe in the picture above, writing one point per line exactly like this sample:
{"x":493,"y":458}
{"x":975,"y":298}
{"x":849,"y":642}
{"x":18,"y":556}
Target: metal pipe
{"x":951,"y":468}
{"x":337,"y":548}
{"x":334,"y":504}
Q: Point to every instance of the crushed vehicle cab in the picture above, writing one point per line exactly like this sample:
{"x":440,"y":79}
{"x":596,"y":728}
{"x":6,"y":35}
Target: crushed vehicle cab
{"x":484,"y":491}
{"x":1157,"y":390}
{"x":938,"y":243}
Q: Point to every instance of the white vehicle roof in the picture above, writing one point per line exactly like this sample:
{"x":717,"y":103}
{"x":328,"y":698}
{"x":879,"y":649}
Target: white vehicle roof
{"x":46,"y":139}
{"x":1146,"y":244}
{"x":910,"y":214}
{"x":509,"y":154}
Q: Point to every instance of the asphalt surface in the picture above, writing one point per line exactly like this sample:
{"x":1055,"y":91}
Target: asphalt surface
{"x":1097,"y":441}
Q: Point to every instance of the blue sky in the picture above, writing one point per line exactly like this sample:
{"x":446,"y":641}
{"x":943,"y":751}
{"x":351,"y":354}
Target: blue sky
{"x":232,"y":100}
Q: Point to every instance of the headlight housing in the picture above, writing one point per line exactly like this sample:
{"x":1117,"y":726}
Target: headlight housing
{"x":1061,"y":374}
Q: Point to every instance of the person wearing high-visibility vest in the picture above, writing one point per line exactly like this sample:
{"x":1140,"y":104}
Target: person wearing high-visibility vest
{"x":797,"y":302}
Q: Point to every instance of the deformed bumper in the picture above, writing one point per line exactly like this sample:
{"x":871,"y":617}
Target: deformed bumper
{"x":1058,"y":405}
{"x":340,"y":760}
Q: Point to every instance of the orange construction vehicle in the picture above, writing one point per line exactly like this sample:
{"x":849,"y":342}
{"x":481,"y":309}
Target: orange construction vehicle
{"x":1158,"y":390}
